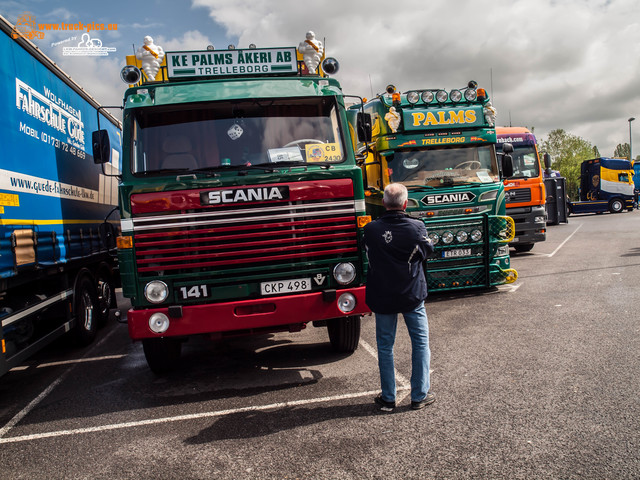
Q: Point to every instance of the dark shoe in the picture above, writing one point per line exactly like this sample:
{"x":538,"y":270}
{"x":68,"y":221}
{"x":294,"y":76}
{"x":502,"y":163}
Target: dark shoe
{"x":384,"y":405}
{"x":428,"y":400}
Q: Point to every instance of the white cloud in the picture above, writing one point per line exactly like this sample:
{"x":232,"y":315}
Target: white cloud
{"x":549,"y":64}
{"x":191,"y":40}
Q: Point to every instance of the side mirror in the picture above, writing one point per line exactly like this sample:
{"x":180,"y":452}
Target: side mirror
{"x":101,"y":146}
{"x":507,"y":148}
{"x":363,"y":124}
{"x":108,"y":234}
{"x":507,"y":165}
{"x":547,"y":162}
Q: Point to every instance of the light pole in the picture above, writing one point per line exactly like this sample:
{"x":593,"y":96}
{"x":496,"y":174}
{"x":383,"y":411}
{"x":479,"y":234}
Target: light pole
{"x":630,"y":155}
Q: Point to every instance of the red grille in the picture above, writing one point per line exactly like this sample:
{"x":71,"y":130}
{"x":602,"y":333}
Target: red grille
{"x":300,"y":229}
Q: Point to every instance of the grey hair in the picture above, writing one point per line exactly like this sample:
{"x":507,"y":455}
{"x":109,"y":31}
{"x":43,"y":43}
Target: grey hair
{"x":395,"y":194}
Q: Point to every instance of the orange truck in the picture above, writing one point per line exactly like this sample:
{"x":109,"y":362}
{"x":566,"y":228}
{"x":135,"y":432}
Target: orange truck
{"x":524,"y":190}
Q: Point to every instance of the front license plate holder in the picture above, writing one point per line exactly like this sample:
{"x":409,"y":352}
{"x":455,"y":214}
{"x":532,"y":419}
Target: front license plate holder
{"x":456,"y":253}
{"x":278,"y":287}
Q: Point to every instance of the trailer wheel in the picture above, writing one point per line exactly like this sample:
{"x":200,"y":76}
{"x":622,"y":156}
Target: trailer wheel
{"x":162,"y":354}
{"x":344,"y":333}
{"x":106,"y":295}
{"x":616,"y":206}
{"x":85,"y":302}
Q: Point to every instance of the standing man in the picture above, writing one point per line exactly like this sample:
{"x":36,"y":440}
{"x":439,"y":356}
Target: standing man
{"x":397,"y":245}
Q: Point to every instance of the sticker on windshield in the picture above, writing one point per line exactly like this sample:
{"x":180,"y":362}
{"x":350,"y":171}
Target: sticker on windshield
{"x":484,"y":177}
{"x":323,"y":152}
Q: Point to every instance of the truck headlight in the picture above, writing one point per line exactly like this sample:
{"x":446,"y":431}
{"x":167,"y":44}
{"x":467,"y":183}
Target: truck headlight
{"x":156,"y":291}
{"x":413,"y":97}
{"x":476,"y":235}
{"x":538,"y":219}
{"x":447,"y":237}
{"x":346,"y":302}
{"x":502,"y":251}
{"x":441,"y":96}
{"x":158,"y":322}
{"x":427,"y":96}
{"x":344,"y":273}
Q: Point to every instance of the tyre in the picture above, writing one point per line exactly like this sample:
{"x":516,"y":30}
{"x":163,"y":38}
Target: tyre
{"x":85,"y":306}
{"x":616,"y":206}
{"x":344,"y":333}
{"x":106,"y":291}
{"x":524,"y":247}
{"x":162,"y":354}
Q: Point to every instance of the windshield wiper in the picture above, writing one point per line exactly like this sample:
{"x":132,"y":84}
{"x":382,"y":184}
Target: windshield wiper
{"x":514,"y":177}
{"x":164,"y":170}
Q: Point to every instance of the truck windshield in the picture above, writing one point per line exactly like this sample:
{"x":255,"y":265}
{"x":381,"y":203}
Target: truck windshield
{"x":525,"y":162}
{"x":446,"y":166}
{"x":238,"y":133}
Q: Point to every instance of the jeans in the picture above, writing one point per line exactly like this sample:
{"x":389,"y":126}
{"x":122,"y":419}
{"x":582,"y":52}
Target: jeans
{"x":418,"y":327}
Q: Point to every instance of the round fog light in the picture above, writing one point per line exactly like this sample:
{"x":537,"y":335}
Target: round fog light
{"x":413,"y":97}
{"x":344,"y":273}
{"x":158,"y":323}
{"x":476,"y":235}
{"x":156,"y":291}
{"x":447,"y":237}
{"x":346,"y":302}
{"x":427,"y":96}
{"x":461,"y":236}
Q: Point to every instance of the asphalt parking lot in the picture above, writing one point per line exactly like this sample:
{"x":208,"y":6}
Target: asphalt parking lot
{"x":533,"y":380}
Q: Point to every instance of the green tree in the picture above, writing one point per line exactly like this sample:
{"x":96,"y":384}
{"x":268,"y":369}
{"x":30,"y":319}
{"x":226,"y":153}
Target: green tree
{"x":567,"y":153}
{"x":622,"y":151}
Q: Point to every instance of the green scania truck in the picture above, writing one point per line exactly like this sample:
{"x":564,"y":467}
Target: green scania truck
{"x":242,"y":207}
{"x":441,"y":145}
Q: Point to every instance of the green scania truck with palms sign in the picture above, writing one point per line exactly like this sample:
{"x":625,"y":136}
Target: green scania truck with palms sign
{"x":242,"y":206}
{"x":441,"y":145}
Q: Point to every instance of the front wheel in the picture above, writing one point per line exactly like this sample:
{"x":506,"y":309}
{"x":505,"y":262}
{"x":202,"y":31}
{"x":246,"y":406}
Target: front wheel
{"x":85,"y":310}
{"x":162,"y":354}
{"x":615,"y":206}
{"x":344,"y":333}
{"x":523,"y":247}
{"x":106,"y":295}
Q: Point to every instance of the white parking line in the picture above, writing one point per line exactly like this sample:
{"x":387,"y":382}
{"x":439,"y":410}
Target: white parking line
{"x":565,"y":241}
{"x":81,"y":360}
{"x":25,"y":411}
{"x":181,"y":418}
{"x":403,"y":390}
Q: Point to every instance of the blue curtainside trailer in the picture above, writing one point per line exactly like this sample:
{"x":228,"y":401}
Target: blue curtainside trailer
{"x":58,"y":267}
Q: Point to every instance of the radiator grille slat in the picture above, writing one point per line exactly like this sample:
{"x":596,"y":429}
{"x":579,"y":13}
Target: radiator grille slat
{"x":285,"y":233}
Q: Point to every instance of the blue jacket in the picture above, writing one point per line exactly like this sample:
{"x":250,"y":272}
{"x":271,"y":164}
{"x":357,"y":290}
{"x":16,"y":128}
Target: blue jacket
{"x":396,"y":245}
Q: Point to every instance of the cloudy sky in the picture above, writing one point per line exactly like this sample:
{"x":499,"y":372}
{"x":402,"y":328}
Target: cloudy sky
{"x":548,"y":64}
